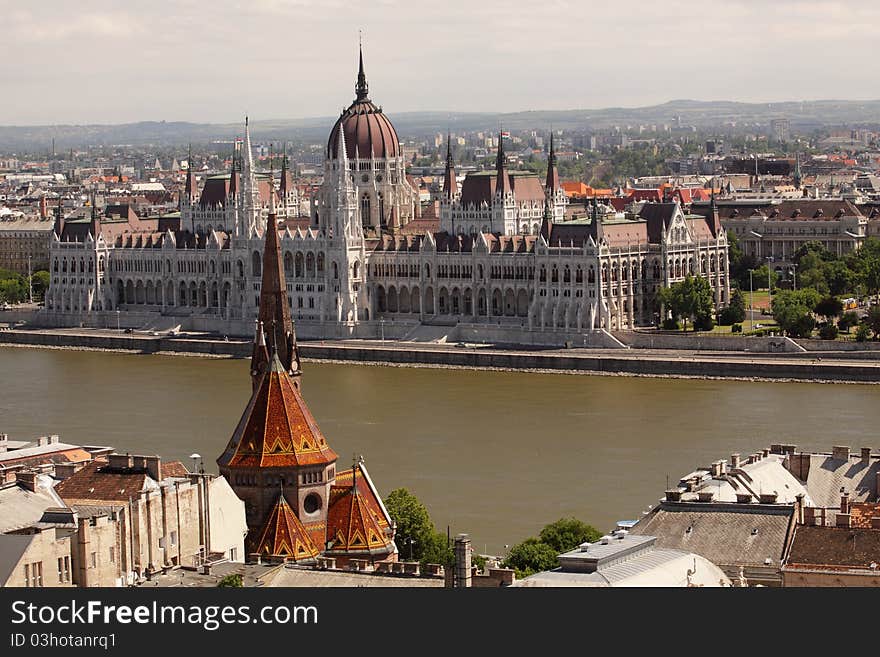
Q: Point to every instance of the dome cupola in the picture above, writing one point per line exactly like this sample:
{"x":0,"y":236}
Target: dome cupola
{"x":368,"y":131}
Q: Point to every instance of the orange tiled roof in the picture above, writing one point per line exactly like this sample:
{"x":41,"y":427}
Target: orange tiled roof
{"x":277,"y":429}
{"x":283,"y":535}
{"x":861,"y":514}
{"x":356,"y":522}
{"x":98,"y":482}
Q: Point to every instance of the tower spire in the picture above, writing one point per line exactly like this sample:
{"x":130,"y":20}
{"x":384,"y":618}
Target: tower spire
{"x":552,"y":185}
{"x":274,"y":316}
{"x":502,"y":184}
{"x":361,"y":89}
{"x":450,"y":185}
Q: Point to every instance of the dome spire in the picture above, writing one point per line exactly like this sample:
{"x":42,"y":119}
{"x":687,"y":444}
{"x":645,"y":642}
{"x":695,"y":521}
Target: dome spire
{"x":362,"y":89}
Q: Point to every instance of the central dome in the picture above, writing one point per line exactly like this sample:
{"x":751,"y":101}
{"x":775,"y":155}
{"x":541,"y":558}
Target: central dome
{"x":368,"y":132}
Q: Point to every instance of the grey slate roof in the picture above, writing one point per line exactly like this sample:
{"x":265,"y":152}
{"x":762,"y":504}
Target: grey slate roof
{"x":726,"y":534}
{"x":12,"y":547}
{"x":20,"y":507}
{"x":828,"y":475}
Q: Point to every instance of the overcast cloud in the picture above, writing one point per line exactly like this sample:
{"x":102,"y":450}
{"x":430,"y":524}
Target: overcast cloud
{"x":214,"y":61}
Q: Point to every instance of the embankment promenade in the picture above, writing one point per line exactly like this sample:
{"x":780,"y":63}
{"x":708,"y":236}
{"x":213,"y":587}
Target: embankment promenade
{"x":815,"y":366}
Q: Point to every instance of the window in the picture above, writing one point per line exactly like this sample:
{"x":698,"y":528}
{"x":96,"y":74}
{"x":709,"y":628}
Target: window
{"x":93,"y":560}
{"x":112,"y":555}
{"x":173,"y":538}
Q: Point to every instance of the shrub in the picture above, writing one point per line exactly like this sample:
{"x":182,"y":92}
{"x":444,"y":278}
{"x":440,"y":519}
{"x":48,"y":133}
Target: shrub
{"x":862,"y":333}
{"x":670,"y":324}
{"x":828,"y":331}
{"x":704,"y":322}
{"x":731,"y":315}
{"x":736,"y":328}
{"x":848,"y":320}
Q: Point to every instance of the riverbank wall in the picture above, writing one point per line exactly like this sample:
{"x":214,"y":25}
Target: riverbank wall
{"x":798,"y":366}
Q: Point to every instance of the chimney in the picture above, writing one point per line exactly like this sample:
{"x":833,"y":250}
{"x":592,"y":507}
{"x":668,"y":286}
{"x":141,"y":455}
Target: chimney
{"x":28,"y":479}
{"x":463,"y":561}
{"x":744,"y":498}
{"x":840,"y":453}
{"x":673,"y":495}
{"x":153,"y":465}
{"x":844,"y":502}
{"x":705,"y":496}
{"x":866,"y":455}
{"x":42,"y":441}
{"x":64,"y":470}
{"x":54,"y":439}
{"x":734,"y":460}
{"x":768,"y":498}
{"x":119,"y":461}
{"x":776,"y":449}
{"x":844,"y":520}
{"x":765,"y":452}
{"x":4,"y":442}
{"x":799,"y":508}
{"x":717,"y":468}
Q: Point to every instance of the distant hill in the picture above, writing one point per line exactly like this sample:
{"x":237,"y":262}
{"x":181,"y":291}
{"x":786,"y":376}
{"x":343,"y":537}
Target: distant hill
{"x":804,"y":115}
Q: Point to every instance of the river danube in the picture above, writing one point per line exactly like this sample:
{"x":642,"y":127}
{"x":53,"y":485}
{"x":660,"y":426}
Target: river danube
{"x":493,"y":454}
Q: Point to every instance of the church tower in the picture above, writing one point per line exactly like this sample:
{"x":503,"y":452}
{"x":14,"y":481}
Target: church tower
{"x":297,"y":505}
{"x":274,"y":330}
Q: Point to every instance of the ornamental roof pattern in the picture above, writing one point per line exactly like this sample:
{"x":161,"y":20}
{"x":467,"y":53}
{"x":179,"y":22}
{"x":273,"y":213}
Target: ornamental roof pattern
{"x":277,"y":429}
{"x":356,"y":520}
{"x":283,"y":535}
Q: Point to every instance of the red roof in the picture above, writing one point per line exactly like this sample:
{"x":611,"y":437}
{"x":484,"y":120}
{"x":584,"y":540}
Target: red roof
{"x":277,"y":428}
{"x":283,"y":535}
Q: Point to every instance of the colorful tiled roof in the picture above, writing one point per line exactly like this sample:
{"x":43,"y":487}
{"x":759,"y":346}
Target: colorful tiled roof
{"x":277,"y":428}
{"x":357,"y":522}
{"x":283,"y":535}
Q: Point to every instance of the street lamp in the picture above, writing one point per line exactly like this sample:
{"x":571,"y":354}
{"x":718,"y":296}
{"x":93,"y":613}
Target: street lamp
{"x":411,"y":541}
{"x":117,"y":320}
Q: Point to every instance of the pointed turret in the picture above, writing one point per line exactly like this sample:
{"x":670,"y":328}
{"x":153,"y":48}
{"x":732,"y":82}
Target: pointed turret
{"x":274,"y":317}
{"x":233,"y":173}
{"x":798,"y":179}
{"x":450,"y":185}
{"x":284,"y":188}
{"x":189,"y":189}
{"x":361,"y":89}
{"x":502,"y":181}
{"x":283,"y":535}
{"x":552,"y":184}
{"x":250,"y":191}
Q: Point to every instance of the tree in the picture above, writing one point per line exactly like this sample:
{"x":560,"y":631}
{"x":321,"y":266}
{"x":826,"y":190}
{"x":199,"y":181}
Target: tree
{"x":792,"y":310}
{"x":848,"y":320}
{"x":829,"y":307}
{"x":567,"y":533}
{"x":811,"y":248}
{"x":530,"y":557}
{"x":688,"y":299}
{"x":40,"y":283}
{"x":735,"y":311}
{"x":840,"y":277}
{"x":232,"y":580}
{"x":416,"y":534}
{"x":764,"y":274}
{"x":872,"y":320}
{"x":536,"y":554}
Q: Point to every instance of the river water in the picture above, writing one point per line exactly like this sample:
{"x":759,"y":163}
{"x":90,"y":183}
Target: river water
{"x":493,"y":454}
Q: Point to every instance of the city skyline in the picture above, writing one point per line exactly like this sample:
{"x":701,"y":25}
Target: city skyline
{"x":97,"y":63}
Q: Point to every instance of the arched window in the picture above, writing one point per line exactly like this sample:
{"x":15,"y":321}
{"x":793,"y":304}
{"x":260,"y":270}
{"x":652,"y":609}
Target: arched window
{"x":256,"y":265}
{"x":365,"y":210}
{"x":288,"y":264}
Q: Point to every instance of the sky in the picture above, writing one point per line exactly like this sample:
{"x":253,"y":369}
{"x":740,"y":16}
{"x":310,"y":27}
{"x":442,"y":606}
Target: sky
{"x":214,"y":61}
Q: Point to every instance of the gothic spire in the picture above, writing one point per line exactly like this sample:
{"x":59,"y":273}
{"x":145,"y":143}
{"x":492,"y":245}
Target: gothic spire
{"x":502,"y":183}
{"x":450,"y":185}
{"x":362,"y":89}
{"x":274,"y":315}
{"x":552,"y":184}
{"x":798,"y":179}
{"x":189,"y":175}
